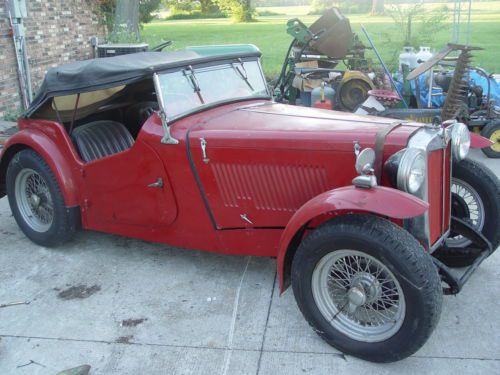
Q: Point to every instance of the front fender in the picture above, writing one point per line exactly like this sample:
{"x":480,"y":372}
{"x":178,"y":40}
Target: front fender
{"x":57,"y":160}
{"x":379,"y":200}
{"x":478,"y":141}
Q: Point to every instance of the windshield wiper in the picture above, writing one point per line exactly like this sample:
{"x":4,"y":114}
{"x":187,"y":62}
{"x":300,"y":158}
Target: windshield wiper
{"x":191,"y":77}
{"x":243,"y":74}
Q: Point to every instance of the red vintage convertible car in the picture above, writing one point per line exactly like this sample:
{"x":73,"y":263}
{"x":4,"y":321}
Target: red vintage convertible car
{"x":365,"y":215}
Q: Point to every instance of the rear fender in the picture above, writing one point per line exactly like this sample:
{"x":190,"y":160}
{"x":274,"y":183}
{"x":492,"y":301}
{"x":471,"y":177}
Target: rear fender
{"x":381,"y":201}
{"x":478,"y":141}
{"x":55,"y":155}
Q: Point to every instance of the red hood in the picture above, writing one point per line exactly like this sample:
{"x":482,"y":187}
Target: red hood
{"x":284,"y":126}
{"x":266,"y":160}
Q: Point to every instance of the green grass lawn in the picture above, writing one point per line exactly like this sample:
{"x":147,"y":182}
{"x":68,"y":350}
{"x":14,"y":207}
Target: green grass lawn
{"x":269,"y":34}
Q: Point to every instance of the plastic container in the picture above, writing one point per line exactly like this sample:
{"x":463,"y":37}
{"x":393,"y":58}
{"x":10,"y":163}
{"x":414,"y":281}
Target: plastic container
{"x":323,"y":97}
{"x":408,"y":57}
{"x":423,"y":55}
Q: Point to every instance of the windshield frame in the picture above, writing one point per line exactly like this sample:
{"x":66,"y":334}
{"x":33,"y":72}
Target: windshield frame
{"x":202,"y":107}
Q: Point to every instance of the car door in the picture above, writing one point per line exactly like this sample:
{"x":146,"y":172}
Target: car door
{"x":129,"y":188}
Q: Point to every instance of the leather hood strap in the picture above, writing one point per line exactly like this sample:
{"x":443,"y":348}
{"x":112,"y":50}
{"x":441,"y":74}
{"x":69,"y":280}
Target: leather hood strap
{"x":379,"y":148}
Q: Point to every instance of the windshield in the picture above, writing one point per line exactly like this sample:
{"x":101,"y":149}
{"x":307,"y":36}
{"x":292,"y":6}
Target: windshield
{"x":188,"y":89}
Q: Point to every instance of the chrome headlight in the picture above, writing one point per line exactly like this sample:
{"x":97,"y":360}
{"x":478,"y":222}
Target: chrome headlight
{"x":407,"y":169}
{"x":460,"y":141}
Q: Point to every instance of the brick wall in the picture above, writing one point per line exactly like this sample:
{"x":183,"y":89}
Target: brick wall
{"x":57,"y":32}
{"x":9,"y":87}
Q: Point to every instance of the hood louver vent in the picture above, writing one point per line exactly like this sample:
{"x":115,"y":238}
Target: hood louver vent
{"x":269,"y":187}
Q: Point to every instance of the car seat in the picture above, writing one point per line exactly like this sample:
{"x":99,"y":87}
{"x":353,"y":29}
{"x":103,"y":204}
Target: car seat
{"x":99,"y":139}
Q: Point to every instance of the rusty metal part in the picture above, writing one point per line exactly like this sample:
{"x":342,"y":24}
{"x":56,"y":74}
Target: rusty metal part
{"x":454,"y":104}
{"x":437,"y":58}
{"x":353,"y":89}
{"x":333,"y":34}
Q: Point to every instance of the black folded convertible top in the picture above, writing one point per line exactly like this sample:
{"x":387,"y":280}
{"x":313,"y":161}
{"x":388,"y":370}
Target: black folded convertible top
{"x":98,"y":74}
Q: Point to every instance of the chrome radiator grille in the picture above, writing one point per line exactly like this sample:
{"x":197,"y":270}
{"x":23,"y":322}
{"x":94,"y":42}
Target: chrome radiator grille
{"x":439,"y":176}
{"x":431,"y":228}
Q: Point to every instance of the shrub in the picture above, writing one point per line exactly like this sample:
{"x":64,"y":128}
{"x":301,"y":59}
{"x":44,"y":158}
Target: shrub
{"x":193,"y":15}
{"x":267,"y":13}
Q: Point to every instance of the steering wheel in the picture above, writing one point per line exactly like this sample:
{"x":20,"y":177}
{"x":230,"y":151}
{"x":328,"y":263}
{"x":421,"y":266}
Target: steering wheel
{"x":137,"y":114}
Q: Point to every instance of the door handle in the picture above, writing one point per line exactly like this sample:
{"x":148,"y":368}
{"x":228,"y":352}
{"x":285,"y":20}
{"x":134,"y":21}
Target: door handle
{"x":157,"y":184}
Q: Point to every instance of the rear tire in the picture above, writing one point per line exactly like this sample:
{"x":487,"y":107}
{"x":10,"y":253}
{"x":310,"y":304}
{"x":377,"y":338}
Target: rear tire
{"x":389,"y":271}
{"x":36,"y":200}
{"x":492,"y":132}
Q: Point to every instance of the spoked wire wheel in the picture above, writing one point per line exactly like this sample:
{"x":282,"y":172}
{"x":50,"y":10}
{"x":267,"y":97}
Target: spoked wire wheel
{"x":467,"y":205}
{"x":358,"y":295}
{"x":34,"y":200}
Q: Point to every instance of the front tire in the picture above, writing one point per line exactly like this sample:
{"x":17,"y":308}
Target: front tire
{"x":36,"y":200}
{"x":476,"y":200}
{"x":367,"y":287}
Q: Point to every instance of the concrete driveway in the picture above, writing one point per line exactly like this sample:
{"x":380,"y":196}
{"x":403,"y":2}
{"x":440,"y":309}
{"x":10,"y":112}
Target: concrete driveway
{"x":129,"y":307}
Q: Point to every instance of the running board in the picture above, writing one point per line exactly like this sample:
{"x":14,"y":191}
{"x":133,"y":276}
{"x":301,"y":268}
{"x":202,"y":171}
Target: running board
{"x":479,"y":242}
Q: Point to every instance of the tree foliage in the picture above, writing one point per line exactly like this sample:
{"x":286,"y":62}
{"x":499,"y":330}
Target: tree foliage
{"x":378,"y":6}
{"x":147,"y":8}
{"x":346,"y":6}
{"x":240,"y":10}
{"x":417,"y":24}
{"x":107,"y":9}
{"x":187,"y":6}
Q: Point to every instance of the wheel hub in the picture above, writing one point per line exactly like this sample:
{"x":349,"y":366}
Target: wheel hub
{"x":369,"y":284}
{"x":459,"y":207}
{"x":35,"y":200}
{"x":356,"y":297}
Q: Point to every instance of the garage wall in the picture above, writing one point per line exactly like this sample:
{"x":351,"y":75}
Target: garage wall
{"x":57,"y":31}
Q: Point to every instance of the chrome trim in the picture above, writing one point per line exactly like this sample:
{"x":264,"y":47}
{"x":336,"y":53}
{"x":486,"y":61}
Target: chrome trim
{"x":268,"y":91}
{"x":364,"y":161}
{"x":427,"y":139}
{"x":457,"y":129}
{"x":405,"y":165}
{"x":203,"y":144}
{"x":365,"y":181}
{"x":245,"y":217}
{"x":440,"y":241}
{"x":157,"y":184}
{"x":167,"y":137}
{"x":443,"y":186}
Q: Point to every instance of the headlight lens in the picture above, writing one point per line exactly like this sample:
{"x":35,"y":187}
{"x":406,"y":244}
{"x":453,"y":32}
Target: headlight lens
{"x":411,"y":170}
{"x":460,"y":141}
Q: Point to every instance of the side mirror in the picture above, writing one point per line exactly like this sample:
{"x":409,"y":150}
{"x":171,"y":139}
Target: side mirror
{"x":364,"y":166}
{"x":167,"y":137}
{"x":365,"y":160}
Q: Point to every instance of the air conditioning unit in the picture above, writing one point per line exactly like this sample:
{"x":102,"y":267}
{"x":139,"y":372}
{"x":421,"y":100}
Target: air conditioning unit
{"x":110,"y":50}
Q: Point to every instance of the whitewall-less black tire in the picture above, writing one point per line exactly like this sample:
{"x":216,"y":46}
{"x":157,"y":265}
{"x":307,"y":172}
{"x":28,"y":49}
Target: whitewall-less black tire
{"x":36,"y":200}
{"x":367,"y":287}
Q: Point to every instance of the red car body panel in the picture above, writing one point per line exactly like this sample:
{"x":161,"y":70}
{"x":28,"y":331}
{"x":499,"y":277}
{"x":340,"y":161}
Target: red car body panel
{"x":350,"y":199}
{"x":267,"y":167}
{"x":247,"y":172}
{"x":50,"y":140}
